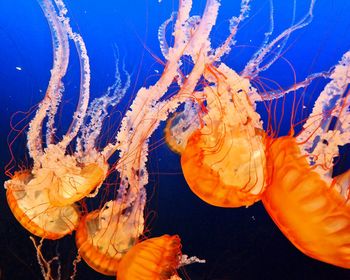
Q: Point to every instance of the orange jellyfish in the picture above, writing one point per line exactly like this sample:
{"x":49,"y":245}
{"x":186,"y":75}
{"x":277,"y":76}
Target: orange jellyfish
{"x":43,"y":198}
{"x":224,"y":161}
{"x":29,"y":191}
{"x":104,"y":236}
{"x":223,"y":153}
{"x":28,"y":200}
{"x":311,"y":207}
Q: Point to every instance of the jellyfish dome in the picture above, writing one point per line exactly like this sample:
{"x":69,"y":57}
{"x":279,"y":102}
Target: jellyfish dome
{"x":29,"y":201}
{"x":156,"y":258}
{"x":308,"y":204}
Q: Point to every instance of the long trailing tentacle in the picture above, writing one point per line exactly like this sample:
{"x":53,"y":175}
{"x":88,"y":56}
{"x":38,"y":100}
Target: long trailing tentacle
{"x":52,"y":98}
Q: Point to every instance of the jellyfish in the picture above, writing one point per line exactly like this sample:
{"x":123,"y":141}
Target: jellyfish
{"x":222,"y":140}
{"x":29,"y":191}
{"x":43,"y":198}
{"x":104,"y":236}
{"x":308,"y":204}
{"x":77,"y":176}
{"x":29,"y":202}
{"x":232,"y":130}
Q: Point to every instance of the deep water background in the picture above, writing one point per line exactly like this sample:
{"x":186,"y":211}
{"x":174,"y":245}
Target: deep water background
{"x":239,"y":243}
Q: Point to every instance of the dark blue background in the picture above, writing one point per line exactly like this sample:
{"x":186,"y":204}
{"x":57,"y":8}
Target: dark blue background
{"x":237,"y":243}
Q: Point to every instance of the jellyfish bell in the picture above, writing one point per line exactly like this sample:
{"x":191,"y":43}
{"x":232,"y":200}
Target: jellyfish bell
{"x":310,"y":212}
{"x":224,"y":161}
{"x":104,"y":236}
{"x":156,"y":258}
{"x":308,"y":204}
{"x":77,"y":184}
{"x":29,"y":201}
{"x":75,"y":179}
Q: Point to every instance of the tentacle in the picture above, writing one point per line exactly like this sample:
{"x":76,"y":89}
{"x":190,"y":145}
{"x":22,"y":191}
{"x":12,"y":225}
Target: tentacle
{"x":98,"y":110}
{"x":320,"y":138}
{"x":162,"y":36}
{"x":53,"y":92}
{"x":83,"y":101}
{"x":253,"y":67}
{"x":275,"y":94}
{"x":225,"y":48}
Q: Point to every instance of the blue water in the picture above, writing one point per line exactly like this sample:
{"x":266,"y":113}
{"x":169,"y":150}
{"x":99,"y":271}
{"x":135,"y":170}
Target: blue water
{"x":237,"y":243}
